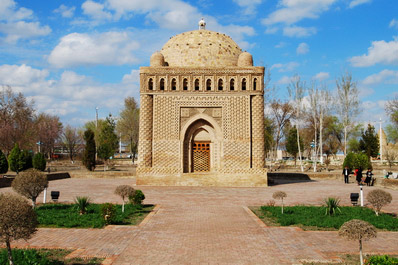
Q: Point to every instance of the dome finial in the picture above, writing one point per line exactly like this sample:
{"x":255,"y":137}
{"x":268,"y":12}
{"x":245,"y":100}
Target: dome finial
{"x":202,"y":24}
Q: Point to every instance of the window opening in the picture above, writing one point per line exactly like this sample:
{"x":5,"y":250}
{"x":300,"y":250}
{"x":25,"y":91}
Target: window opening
{"x":220,"y":84}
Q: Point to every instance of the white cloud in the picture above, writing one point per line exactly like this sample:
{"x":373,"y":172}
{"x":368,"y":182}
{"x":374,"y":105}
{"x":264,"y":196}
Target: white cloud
{"x":295,"y":31}
{"x":109,"y":48}
{"x":285,"y":80}
{"x":23,"y":30}
{"x":248,"y":5}
{"x":133,"y":77}
{"x":14,"y":75}
{"x":355,"y":3}
{"x":65,"y":11}
{"x":302,"y":48}
{"x":321,"y":76}
{"x":394,"y":23}
{"x":9,"y":11}
{"x":385,"y":76}
{"x":96,"y":10}
{"x":280,"y":45}
{"x":287,"y":67}
{"x":380,"y":52}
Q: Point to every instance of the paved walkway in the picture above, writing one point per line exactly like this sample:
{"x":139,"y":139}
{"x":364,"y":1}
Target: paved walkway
{"x":205,"y":225}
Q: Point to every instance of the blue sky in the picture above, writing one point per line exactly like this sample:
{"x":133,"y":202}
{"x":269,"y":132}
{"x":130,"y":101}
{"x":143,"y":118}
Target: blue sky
{"x":71,"y":56}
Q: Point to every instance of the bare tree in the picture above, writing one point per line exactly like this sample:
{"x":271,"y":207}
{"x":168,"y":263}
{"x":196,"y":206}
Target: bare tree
{"x":296,"y":91}
{"x":48,"y":130}
{"x":128,"y":124}
{"x":124,"y":191}
{"x":30,"y":184}
{"x":17,"y":220}
{"x":347,"y":103}
{"x":390,"y":155}
{"x":72,"y":140}
{"x":279,"y":195}
{"x":379,"y":198}
{"x":358,"y":230}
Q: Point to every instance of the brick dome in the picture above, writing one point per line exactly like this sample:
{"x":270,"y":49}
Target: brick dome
{"x":201,"y":48}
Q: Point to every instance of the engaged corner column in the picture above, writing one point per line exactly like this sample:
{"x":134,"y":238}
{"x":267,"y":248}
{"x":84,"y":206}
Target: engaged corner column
{"x":145,"y":132}
{"x":258,"y":131}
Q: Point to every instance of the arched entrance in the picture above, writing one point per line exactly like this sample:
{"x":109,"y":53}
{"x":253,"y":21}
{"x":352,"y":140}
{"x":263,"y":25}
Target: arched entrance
{"x":200,"y":147}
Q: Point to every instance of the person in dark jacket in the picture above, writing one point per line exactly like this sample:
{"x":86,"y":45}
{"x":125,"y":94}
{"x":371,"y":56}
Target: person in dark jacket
{"x":346,"y":174}
{"x":369,"y":175}
{"x":358,"y":176}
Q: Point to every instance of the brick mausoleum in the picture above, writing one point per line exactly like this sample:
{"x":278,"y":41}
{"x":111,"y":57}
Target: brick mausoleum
{"x":201,"y":114}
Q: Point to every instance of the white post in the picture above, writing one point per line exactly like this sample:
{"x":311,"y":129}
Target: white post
{"x":45,"y":195}
{"x":381,"y":145}
{"x":120,"y":143}
{"x":361,"y":192}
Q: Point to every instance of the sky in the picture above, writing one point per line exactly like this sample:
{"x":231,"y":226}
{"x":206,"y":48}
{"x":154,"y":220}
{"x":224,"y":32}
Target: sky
{"x":70,"y":57}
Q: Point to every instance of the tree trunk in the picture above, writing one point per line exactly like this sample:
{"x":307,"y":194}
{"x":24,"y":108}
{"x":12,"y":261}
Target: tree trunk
{"x":299,"y":149}
{"x":123,"y":206}
{"x":360,"y":251}
{"x":34,"y":203}
{"x":9,"y":252}
{"x":345,"y":140}
{"x":315,"y":151}
{"x":320,"y":139}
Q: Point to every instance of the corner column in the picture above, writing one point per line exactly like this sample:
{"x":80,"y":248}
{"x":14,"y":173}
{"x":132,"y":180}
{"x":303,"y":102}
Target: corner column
{"x":145,"y":132}
{"x":258,"y":131}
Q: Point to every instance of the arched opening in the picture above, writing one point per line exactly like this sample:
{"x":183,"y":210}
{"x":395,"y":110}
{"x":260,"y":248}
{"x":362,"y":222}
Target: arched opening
{"x":162,"y":84}
{"x":232,"y":84}
{"x":220,"y":84}
{"x":255,"y":84}
{"x":201,"y":145}
{"x":185,"y":84}
{"x":173,"y":84}
{"x":208,"y":84}
{"x":150,"y":84}
{"x":197,"y":84}
{"x":244,"y":84}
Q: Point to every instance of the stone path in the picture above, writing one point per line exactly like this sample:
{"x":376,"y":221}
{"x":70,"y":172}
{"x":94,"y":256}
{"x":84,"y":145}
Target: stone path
{"x":205,"y":225}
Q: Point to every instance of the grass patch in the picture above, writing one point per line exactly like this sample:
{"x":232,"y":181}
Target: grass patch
{"x":314,"y":218}
{"x":45,"y":257}
{"x":67,"y":215}
{"x":349,"y":259}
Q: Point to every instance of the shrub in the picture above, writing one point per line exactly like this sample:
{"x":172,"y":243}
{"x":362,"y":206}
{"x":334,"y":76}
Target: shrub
{"x":89,"y":151}
{"x":349,"y":161}
{"x":108,"y":211}
{"x":13,"y":159}
{"x":17,"y":220}
{"x":279,"y":195}
{"x":137,"y":197}
{"x":332,"y":205}
{"x":358,"y":230}
{"x":124,"y":191}
{"x":82,"y":203}
{"x":270,"y":203}
{"x":25,"y":257}
{"x":378,"y":198}
{"x":382,"y":260}
{"x":3,"y":163}
{"x":362,"y":161}
{"x":39,"y":162}
{"x":30,"y":184}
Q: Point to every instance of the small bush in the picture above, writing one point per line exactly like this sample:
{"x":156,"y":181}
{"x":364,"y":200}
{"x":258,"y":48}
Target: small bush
{"x":108,"y":211}
{"x":378,"y":198}
{"x":137,"y":197}
{"x":82,"y":203}
{"x":270,"y":203}
{"x":39,"y":162}
{"x":382,"y":260}
{"x":30,"y":184}
{"x":332,"y":205}
{"x":279,"y":195}
{"x":124,"y":191}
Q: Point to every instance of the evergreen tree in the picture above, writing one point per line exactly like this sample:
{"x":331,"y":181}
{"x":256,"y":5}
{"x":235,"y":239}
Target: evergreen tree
{"x":39,"y":162}
{"x":369,"y":142}
{"x":13,"y":159}
{"x":291,"y":143}
{"x":25,"y":160}
{"x":89,"y":150}
{"x":108,"y":140}
{"x":3,"y":163}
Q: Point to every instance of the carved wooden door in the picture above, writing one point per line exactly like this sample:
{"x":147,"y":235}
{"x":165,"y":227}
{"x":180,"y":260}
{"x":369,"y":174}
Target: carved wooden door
{"x":201,"y":156}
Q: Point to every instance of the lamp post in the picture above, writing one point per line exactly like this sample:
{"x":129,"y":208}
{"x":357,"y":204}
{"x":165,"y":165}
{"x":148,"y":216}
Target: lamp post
{"x":381,"y":144}
{"x":96,"y":131}
{"x":39,"y":143}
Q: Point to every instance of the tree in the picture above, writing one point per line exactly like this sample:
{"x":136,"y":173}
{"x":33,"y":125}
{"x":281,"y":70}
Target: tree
{"x":362,"y":161}
{"x":347,"y":103}
{"x":358,"y":230}
{"x":392,"y":110}
{"x":89,"y":151}
{"x":107,"y":140}
{"x":296,"y":92}
{"x":14,"y":159}
{"x":48,"y":129}
{"x":30,"y":184}
{"x":279,"y":195}
{"x":333,"y":136}
{"x":39,"y":162}
{"x":269,"y":130}
{"x":390,"y":155}
{"x":128,"y":124}
{"x":369,"y":142}
{"x":124,"y":191}
{"x":379,"y":198}
{"x":17,"y":220}
{"x":72,"y":141}
{"x":25,"y":160}
{"x":291,"y":144}
{"x":3,"y":163}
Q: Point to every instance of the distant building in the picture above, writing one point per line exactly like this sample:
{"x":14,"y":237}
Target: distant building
{"x":201,"y":114}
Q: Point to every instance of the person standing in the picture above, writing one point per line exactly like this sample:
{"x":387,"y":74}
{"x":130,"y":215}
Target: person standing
{"x":346,"y":174}
{"x":369,"y":175}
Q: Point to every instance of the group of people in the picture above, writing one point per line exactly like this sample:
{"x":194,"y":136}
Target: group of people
{"x":361,"y":180}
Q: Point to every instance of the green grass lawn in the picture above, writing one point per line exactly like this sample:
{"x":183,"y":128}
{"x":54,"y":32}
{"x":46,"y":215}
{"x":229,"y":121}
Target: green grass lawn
{"x":67,"y":215}
{"x":45,"y":257}
{"x":314,"y":218}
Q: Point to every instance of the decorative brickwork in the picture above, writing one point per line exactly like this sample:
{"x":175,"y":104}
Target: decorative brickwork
{"x":197,"y":95}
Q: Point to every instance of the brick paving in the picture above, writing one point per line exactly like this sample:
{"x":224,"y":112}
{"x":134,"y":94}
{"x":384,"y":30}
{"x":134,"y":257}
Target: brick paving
{"x":207,"y":225}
